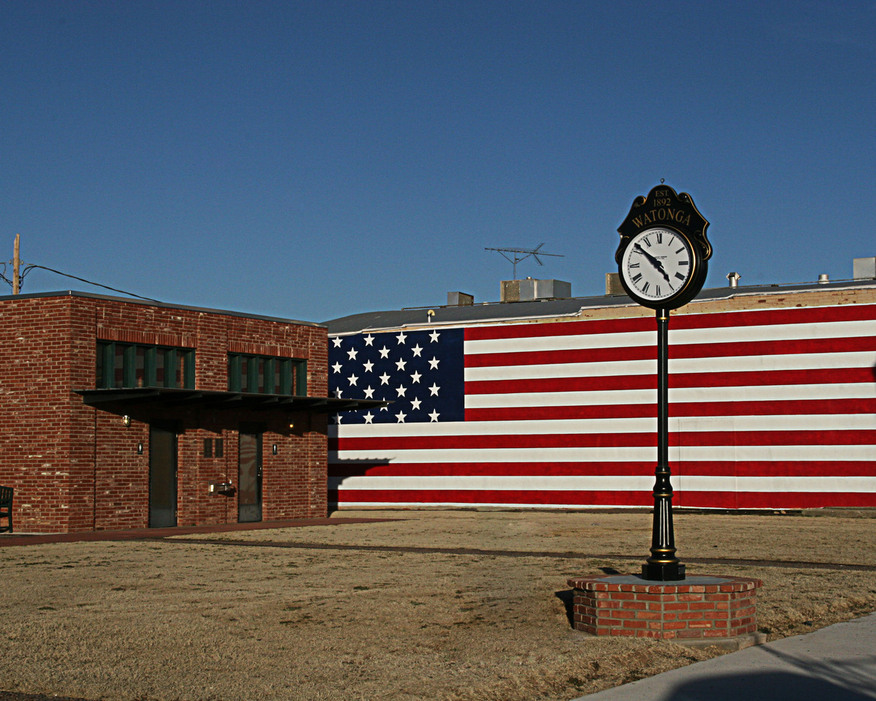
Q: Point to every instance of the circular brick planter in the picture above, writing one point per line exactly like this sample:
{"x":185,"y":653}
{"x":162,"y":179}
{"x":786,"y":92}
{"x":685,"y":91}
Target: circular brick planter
{"x":697,"y":609}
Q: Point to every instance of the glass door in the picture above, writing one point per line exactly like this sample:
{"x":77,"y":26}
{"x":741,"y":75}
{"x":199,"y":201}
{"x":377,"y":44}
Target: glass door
{"x":162,"y":477}
{"x":249,"y":478}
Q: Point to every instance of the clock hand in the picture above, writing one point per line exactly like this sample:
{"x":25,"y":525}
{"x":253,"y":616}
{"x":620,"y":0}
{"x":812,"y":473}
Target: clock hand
{"x":655,"y":262}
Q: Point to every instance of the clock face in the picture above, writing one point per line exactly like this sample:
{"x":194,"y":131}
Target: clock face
{"x":657,"y":265}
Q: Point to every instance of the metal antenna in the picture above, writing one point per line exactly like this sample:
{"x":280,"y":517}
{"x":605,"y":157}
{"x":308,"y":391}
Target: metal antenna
{"x":520,"y":254}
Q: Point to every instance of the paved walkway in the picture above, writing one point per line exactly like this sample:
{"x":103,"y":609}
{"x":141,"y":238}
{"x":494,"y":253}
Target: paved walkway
{"x":833,"y":663}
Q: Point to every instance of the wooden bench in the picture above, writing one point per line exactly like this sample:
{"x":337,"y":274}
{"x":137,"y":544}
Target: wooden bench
{"x":6,"y":507}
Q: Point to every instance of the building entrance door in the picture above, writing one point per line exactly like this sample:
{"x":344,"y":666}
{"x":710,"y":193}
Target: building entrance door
{"x":162,"y":477}
{"x":249,"y":478}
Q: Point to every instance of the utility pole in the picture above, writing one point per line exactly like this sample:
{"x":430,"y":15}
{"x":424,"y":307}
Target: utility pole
{"x":16,"y":265}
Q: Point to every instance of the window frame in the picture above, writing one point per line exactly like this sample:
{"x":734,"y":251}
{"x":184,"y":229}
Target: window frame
{"x":265,"y":374}
{"x":172,"y":356}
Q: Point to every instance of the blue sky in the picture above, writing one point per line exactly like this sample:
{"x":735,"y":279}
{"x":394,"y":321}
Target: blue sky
{"x":310,"y":160}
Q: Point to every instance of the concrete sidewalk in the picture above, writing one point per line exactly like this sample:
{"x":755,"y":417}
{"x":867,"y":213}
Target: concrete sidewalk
{"x":837,"y":662}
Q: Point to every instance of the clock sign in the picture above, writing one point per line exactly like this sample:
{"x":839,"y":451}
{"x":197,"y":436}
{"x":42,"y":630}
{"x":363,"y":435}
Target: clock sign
{"x":663,"y":254}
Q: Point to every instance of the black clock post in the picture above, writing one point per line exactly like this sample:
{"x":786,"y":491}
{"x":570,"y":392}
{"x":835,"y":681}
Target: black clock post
{"x":662,"y":262}
{"x":663,"y":565}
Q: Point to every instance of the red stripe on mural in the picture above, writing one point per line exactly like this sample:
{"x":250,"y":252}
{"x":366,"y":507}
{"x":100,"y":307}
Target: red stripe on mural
{"x":562,"y":384}
{"x":773,"y":500}
{"x":766,"y":317}
{"x":753,"y":378}
{"x":497,"y":442}
{"x":534,"y":413}
{"x":677,"y":351}
{"x":495,"y":496}
{"x":772,"y":317}
{"x":706,"y":500}
{"x":611,"y":440}
{"x":563,"y":328}
{"x":676,"y":410}
{"x":712,"y":468}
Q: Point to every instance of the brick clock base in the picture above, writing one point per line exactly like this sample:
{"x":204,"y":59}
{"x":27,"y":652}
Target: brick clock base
{"x":693,"y":610}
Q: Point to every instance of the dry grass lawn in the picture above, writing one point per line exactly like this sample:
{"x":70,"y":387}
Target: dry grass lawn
{"x":378,"y":613}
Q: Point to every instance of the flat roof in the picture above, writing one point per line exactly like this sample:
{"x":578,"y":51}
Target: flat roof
{"x":153,"y":303}
{"x":572,"y":306}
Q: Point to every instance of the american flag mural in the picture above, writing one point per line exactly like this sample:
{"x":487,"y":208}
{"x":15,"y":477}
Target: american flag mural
{"x":771,"y":408}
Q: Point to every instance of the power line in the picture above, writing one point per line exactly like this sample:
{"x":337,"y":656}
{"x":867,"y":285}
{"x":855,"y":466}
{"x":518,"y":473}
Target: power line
{"x":32,"y":266}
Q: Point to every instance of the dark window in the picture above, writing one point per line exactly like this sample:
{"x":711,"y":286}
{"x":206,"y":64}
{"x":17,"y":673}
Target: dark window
{"x":213,"y":448}
{"x":136,"y":365}
{"x":262,"y":374}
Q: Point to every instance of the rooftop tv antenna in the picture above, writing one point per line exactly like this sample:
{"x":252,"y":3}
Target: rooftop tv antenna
{"x":519,"y":254}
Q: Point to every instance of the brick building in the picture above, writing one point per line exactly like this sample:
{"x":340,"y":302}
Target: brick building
{"x":124,"y":414}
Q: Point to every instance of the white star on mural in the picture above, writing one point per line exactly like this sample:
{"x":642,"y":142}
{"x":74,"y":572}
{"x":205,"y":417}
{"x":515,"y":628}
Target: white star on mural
{"x":336,"y":367}
{"x":417,"y":350}
{"x":369,"y":366}
{"x":369,"y":417}
{"x":401,"y":389}
{"x":400,"y":364}
{"x":384,"y":352}
{"x":433,"y":337}
{"x":337,"y":341}
{"x":415,"y":404}
{"x":415,"y":378}
{"x":433,"y":390}
{"x":401,"y":417}
{"x":352,"y":379}
{"x":401,"y":338}
{"x":369,"y":340}
{"x":369,"y":392}
{"x":352,"y":353}
{"x":384,"y":379}
{"x":433,"y":416}
{"x":433,"y":364}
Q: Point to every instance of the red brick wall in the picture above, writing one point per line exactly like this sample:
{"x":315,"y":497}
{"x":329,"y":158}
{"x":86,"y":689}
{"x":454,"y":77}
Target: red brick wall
{"x":689,"y":611}
{"x":75,"y":467}
{"x":36,"y":423}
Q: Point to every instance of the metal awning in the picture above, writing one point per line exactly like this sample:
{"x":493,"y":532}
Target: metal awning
{"x":173,"y":397}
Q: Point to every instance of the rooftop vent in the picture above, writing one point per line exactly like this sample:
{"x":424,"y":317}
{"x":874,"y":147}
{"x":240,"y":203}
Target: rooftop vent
{"x":734,"y":279}
{"x":613,"y":284}
{"x":459,"y":299}
{"x":529,"y":290}
{"x":864,"y":268}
